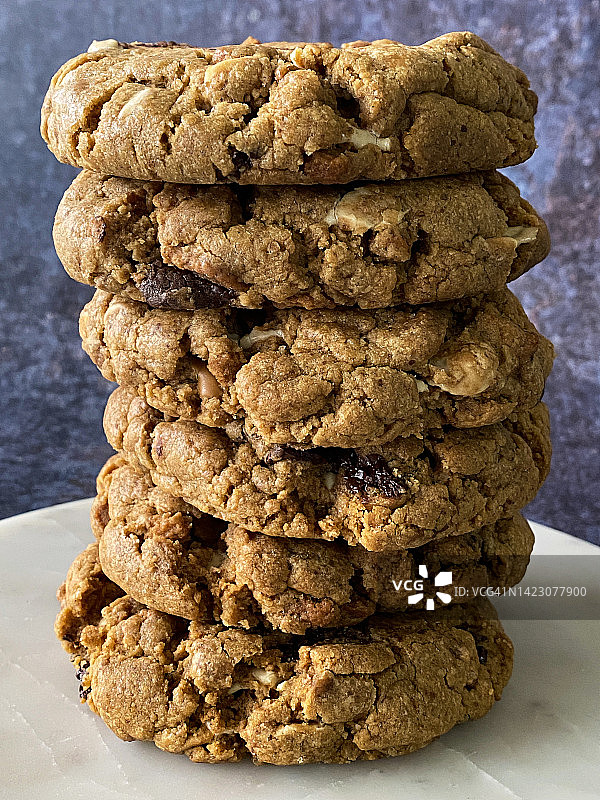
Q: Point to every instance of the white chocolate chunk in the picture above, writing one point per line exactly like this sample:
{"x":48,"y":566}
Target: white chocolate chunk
{"x":264,"y":676}
{"x":353,"y":211}
{"x":135,"y":101}
{"x":360,"y":138}
{"x":296,"y":57}
{"x":522,"y":234}
{"x":213,"y":728}
{"x":466,"y":372}
{"x":331,"y":218}
{"x":104,"y":44}
{"x":329,"y":480}
{"x":256,"y":336}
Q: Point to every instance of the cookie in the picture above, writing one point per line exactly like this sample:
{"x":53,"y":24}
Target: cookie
{"x":371,"y":246}
{"x":386,"y":687}
{"x":398,"y":495}
{"x":171,"y":557}
{"x":289,"y":113}
{"x":324,"y":378}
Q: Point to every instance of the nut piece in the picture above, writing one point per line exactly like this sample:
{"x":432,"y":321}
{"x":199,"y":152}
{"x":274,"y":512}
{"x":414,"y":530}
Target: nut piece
{"x":207,"y":384}
{"x":468,"y":371}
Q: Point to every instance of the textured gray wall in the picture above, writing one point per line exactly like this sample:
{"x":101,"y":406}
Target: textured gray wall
{"x":51,"y":444}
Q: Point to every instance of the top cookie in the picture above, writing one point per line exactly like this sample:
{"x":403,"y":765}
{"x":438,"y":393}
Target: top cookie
{"x":283,"y":113}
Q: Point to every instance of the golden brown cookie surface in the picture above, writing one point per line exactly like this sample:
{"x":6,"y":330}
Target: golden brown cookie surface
{"x":371,"y":246}
{"x":386,"y":687}
{"x":397,"y":495}
{"x":168,"y":555}
{"x":290,"y":113}
{"x":326,"y":378}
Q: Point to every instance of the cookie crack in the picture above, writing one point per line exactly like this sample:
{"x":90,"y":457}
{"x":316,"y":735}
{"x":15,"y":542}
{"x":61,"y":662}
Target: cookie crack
{"x":94,"y":120}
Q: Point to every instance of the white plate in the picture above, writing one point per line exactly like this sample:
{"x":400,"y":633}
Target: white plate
{"x":541,"y":741}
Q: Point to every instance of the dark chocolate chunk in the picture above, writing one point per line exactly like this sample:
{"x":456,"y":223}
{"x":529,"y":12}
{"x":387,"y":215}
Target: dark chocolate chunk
{"x":163,"y":286}
{"x":170,"y":43}
{"x":359,"y":472}
{"x":315,"y":455}
{"x":372,"y":471}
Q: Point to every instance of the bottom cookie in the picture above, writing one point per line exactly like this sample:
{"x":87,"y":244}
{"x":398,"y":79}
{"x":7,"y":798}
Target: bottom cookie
{"x":386,"y":687}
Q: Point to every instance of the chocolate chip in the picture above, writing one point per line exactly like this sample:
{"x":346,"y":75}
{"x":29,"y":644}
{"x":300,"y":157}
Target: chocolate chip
{"x":317,"y":455}
{"x":241,"y":161}
{"x":98,"y":228}
{"x":359,"y":472}
{"x":372,"y":471}
{"x":181,"y":289}
{"x":80,"y":674}
{"x":482,"y":653}
{"x":81,"y":670}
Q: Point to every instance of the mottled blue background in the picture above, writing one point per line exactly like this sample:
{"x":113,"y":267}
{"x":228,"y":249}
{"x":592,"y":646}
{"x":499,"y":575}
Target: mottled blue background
{"x":51,"y":442}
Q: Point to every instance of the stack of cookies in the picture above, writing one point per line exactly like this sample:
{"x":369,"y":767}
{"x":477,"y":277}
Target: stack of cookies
{"x":328,"y":413}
